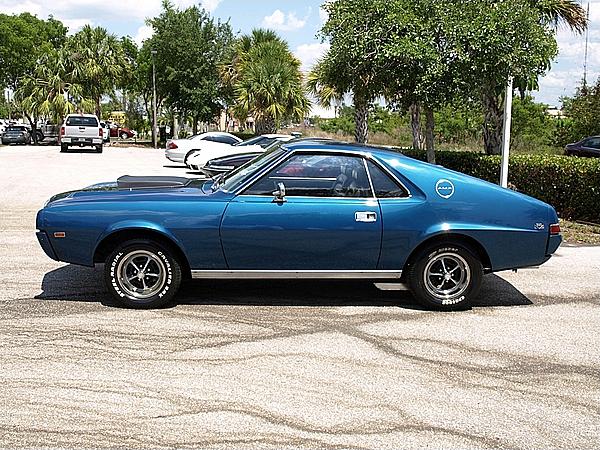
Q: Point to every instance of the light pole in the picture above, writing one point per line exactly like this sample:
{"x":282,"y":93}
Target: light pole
{"x":154,"y":137}
{"x":506,"y":133}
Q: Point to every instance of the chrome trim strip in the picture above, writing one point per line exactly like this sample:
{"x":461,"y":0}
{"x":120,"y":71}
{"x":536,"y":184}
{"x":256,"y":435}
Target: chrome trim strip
{"x":293,"y":274}
{"x":364,"y":160}
{"x":392,"y":286}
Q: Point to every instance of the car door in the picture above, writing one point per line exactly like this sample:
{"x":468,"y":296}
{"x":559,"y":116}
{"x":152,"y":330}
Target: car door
{"x":591,"y":146}
{"x":328,"y":218}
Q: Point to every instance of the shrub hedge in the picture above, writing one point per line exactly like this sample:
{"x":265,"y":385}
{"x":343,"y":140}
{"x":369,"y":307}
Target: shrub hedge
{"x":570,"y":184}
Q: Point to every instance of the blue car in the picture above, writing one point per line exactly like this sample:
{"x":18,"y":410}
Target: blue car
{"x":305,"y":209}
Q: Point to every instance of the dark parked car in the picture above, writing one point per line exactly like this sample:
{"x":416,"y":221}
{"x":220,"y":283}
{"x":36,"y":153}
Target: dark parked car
{"x":590,"y":146}
{"x":16,"y":134}
{"x":226,"y":164}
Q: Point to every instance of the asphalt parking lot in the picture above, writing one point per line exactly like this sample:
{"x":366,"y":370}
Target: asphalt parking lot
{"x":281,"y":364}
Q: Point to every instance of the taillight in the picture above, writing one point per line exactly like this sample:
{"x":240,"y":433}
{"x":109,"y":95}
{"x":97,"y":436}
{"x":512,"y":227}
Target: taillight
{"x":172,"y":145}
{"x":100,"y":132}
{"x":555,"y":228}
{"x":62,"y":131}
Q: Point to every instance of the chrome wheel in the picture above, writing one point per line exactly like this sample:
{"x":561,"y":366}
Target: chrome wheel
{"x":447,"y":276}
{"x":141,"y":274}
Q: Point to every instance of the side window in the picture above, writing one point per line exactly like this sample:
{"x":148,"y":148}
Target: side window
{"x":221,"y":139}
{"x":384,"y":185}
{"x":317,"y":176}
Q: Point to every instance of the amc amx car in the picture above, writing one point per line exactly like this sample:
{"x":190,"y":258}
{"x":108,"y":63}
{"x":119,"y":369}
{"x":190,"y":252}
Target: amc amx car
{"x":305,"y":209}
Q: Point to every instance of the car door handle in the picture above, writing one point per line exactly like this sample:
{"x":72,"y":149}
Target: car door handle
{"x":365,"y":216}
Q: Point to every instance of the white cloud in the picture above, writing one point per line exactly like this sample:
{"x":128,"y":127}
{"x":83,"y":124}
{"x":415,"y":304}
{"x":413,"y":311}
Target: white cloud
{"x":323,"y":15}
{"x":308,"y":54}
{"x":31,"y":6}
{"x":283,"y":22}
{"x":103,"y":11}
{"x":210,"y":5}
{"x":144,"y":32}
{"x":74,"y":25}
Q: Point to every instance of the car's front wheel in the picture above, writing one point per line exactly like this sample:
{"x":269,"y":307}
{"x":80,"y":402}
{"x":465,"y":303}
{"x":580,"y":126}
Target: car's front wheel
{"x":446,"y":276}
{"x":124,"y":135}
{"x":142,"y":274}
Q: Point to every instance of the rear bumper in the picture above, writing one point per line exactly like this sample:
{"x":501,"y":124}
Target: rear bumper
{"x":82,"y":143}
{"x":553,"y":244}
{"x":46,"y":245}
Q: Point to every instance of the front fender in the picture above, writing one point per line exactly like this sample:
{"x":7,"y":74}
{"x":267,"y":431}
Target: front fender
{"x":141,"y":225}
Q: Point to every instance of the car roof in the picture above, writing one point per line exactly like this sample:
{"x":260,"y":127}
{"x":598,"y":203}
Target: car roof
{"x":328,"y":144}
{"x":275,"y":136}
{"x":215,"y":133}
{"x":82,"y":115}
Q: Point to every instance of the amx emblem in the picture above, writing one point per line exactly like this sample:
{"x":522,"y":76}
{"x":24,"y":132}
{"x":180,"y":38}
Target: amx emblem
{"x":444,"y":188}
{"x":539,"y":226}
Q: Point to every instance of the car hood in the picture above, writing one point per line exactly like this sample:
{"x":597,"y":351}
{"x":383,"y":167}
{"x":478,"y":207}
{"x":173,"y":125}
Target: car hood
{"x":115,"y":191}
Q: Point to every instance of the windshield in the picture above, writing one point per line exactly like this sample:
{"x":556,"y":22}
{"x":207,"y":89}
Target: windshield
{"x":236,"y":178}
{"x":82,"y":121}
{"x":263,"y":141}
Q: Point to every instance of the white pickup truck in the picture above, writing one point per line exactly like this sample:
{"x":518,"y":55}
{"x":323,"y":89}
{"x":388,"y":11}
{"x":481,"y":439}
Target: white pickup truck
{"x":81,"y":130}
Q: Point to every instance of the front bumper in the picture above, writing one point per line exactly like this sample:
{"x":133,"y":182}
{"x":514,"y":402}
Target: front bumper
{"x":13,"y":140}
{"x":44,"y":241}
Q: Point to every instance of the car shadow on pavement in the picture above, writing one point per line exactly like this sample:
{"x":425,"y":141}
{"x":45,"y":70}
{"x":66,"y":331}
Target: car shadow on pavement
{"x":85,"y":284}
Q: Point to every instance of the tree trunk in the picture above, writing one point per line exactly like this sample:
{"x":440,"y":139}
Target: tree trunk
{"x":195,"y":125}
{"x":265,"y":125}
{"x":98,"y":109}
{"x":430,"y":125}
{"x":492,"y":122}
{"x":33,"y":124}
{"x":361,"y":120}
{"x":415,"y":125}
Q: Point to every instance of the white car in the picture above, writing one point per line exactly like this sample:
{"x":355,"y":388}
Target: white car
{"x":211,"y":150}
{"x":177,"y":149}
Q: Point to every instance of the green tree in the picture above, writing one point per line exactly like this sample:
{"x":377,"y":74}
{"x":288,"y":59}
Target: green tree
{"x":99,"y":62}
{"x":190,"y":46}
{"x":355,"y":63}
{"x":266,"y":81}
{"x":582,"y":112}
{"x":52,"y":90}
{"x":23,"y":40}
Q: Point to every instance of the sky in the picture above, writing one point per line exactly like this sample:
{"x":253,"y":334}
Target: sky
{"x":298,"y":22}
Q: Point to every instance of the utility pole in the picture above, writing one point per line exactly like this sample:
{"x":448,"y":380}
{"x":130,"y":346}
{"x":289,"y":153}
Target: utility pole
{"x":506,"y":132}
{"x":154,"y":137}
{"x":585,"y":57}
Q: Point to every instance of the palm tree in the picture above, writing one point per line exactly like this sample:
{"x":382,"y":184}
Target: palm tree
{"x":321,"y":86}
{"x":562,"y":13}
{"x":51,"y":90}
{"x":266,"y":81}
{"x":98,"y":61}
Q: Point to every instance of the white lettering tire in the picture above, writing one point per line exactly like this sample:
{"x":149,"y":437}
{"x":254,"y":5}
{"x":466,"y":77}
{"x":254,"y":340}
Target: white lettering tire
{"x":142,"y":274}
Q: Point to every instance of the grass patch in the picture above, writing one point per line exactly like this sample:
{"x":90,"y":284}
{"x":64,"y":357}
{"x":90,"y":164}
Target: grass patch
{"x":580,"y":233}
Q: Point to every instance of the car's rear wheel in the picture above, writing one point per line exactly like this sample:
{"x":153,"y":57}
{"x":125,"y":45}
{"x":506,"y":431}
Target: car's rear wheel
{"x":142,"y":274}
{"x":99,"y":149}
{"x":124,"y":135}
{"x":64,"y":148}
{"x":446,"y":276}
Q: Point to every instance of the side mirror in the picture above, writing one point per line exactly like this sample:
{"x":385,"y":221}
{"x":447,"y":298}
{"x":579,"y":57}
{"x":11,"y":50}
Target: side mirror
{"x":279,"y":193}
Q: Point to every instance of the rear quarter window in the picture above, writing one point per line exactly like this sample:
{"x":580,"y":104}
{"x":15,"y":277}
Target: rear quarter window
{"x":82,"y":121}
